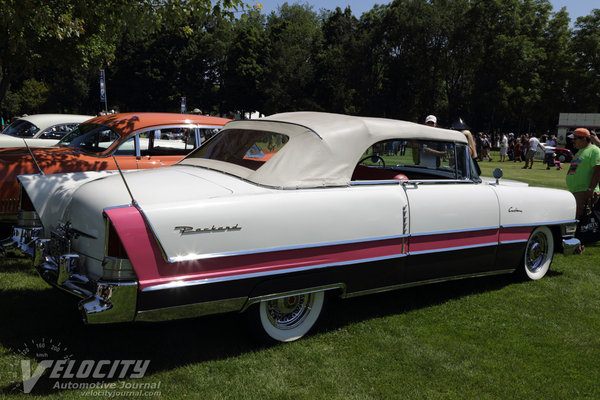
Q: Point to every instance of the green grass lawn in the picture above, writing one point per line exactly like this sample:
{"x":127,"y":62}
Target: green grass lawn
{"x":485,"y":338}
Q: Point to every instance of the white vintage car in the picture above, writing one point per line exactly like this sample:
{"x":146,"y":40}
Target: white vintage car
{"x":271,"y":215}
{"x":40,"y":130}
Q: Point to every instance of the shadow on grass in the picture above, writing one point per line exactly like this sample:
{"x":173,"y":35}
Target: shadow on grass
{"x":11,"y":263}
{"x":51,"y":315}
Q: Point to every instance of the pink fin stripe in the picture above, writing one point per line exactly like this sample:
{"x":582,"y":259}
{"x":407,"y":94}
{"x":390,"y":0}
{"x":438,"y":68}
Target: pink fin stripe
{"x":138,"y":240}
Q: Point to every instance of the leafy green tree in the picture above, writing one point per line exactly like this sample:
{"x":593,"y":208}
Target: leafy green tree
{"x":585,"y":90}
{"x":292,"y":39}
{"x":336,"y":75}
{"x":82,"y":35}
{"x":243,"y":70}
{"x":555,"y":72}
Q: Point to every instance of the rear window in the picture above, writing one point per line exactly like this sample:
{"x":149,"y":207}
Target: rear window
{"x":21,"y":128}
{"x":247,"y":148}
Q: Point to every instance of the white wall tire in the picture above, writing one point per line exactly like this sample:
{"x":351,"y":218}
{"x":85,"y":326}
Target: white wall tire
{"x":538,"y":253}
{"x":289,"y":318}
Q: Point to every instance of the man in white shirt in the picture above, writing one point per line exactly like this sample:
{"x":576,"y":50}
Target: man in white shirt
{"x":534,"y":143}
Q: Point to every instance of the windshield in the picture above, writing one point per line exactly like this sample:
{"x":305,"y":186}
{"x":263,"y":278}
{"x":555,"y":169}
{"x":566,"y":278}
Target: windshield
{"x":91,"y":138}
{"x":244,"y":147}
{"x":21,"y":128}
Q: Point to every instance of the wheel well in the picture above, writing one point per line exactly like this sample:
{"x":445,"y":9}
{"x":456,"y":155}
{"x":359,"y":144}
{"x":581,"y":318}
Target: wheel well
{"x":556,"y":236}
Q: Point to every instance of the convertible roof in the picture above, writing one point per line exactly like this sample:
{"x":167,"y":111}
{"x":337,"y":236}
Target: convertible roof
{"x":323,"y":148}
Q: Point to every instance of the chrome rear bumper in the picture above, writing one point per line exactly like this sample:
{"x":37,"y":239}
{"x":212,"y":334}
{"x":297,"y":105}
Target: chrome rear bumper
{"x":21,"y":242}
{"x":569,"y":245}
{"x":101,"y":301}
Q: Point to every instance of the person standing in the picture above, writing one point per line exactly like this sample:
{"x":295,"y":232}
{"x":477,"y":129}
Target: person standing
{"x":503,"y":148}
{"x":534,"y":143}
{"x":584,"y":173}
{"x":485,"y":148}
{"x":431,"y":120}
{"x":549,"y":154}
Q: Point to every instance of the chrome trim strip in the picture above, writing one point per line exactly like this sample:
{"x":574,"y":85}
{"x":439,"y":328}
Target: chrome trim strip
{"x":569,"y":221}
{"x":417,"y":253}
{"x":274,"y":296}
{"x":485,"y":228}
{"x":381,"y":182}
{"x":409,"y":182}
{"x":191,"y":310}
{"x":180,"y":284}
{"x":427,"y":282}
{"x":273,"y":249}
{"x":115,"y":207}
{"x":514,"y":241}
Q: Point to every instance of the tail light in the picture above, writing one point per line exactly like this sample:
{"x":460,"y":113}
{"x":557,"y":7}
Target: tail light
{"x":27,"y":216}
{"x":116,"y":265}
{"x":25,"y":203}
{"x":114,"y":247}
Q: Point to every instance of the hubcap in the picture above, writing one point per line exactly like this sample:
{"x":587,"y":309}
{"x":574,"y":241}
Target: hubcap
{"x":537,"y":252}
{"x":289,"y":312}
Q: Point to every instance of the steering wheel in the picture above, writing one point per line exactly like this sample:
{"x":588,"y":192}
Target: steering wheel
{"x":374,"y":159}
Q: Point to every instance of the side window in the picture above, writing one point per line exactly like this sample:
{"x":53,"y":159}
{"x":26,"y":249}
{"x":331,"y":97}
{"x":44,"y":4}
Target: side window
{"x":57,"y":131}
{"x":167,"y":142}
{"x":127,"y":148}
{"x":412,"y":159}
{"x":97,"y":140}
{"x":207,"y":133}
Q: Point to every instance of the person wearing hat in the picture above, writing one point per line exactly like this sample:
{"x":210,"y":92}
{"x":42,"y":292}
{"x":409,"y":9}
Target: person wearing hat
{"x":431,"y":120}
{"x":584,"y":173}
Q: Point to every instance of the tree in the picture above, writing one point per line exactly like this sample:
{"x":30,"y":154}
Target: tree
{"x":336,"y":75}
{"x":41,"y":33}
{"x":585,"y":89}
{"x":292,"y":39}
{"x":243,"y":70}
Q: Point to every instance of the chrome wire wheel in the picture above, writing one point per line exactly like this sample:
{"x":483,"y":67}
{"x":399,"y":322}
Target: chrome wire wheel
{"x":289,"y":318}
{"x":538,"y":253}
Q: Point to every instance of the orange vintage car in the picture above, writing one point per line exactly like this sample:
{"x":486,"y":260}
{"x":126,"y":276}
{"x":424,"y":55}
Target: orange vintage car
{"x":136,"y":140}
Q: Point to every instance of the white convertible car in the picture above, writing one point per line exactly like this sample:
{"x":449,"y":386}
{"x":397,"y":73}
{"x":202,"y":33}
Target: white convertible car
{"x":40,"y":130}
{"x":271,"y":215}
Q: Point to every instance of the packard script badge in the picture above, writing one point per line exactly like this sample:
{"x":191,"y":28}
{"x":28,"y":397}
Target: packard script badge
{"x":188,"y":229}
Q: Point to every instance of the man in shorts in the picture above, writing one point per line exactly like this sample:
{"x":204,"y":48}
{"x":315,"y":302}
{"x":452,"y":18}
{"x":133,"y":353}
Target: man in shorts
{"x":534,"y":143}
{"x":584,"y":173}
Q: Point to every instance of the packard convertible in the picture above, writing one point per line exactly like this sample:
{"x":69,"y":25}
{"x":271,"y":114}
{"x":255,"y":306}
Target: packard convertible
{"x":272,"y":215}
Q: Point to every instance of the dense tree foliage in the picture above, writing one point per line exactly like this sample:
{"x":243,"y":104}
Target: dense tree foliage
{"x":498,"y":64}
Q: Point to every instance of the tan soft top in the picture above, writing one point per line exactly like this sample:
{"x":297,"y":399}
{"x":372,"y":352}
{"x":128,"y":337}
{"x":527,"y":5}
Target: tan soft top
{"x":323,"y":148}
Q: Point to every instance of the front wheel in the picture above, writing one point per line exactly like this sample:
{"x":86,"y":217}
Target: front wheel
{"x":538,"y":254}
{"x":289,"y":318}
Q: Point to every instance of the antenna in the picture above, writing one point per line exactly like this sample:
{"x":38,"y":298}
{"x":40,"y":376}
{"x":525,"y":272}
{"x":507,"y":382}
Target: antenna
{"x":32,"y":156}
{"x":125,"y":182}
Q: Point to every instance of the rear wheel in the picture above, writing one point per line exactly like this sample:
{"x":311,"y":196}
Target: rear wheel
{"x":538,"y":254}
{"x":289,"y":318}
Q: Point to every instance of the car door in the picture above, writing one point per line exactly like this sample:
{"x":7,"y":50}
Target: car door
{"x":453,"y":229}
